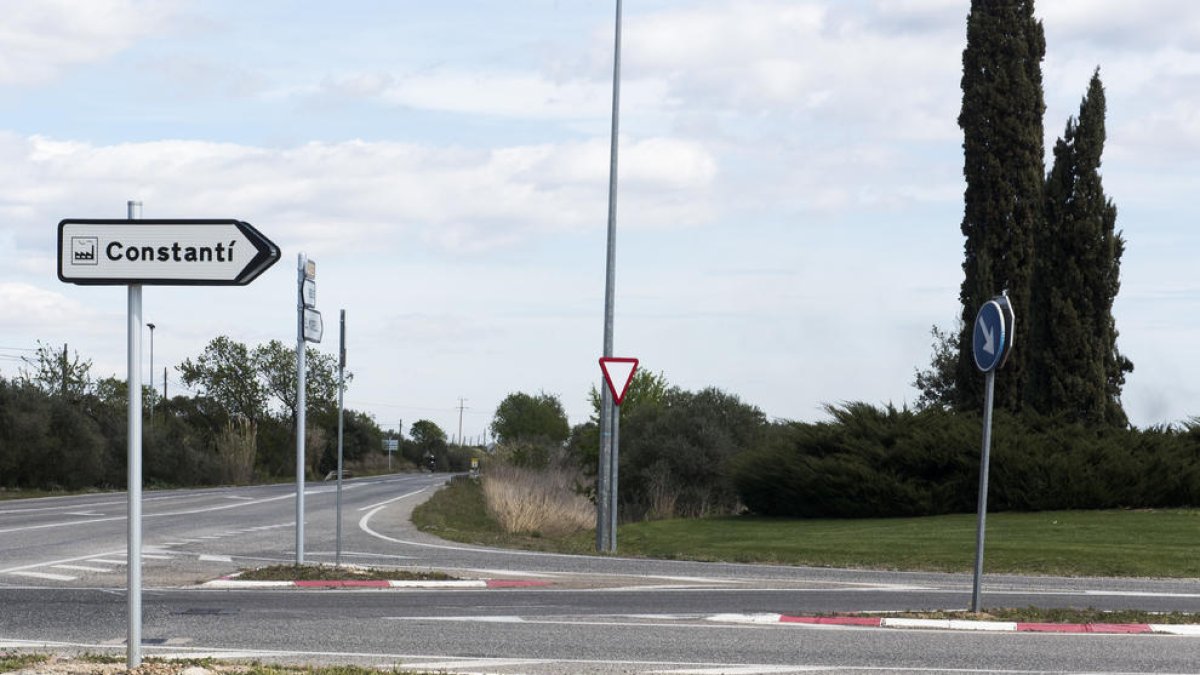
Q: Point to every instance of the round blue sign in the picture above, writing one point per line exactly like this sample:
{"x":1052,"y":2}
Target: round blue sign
{"x":990,"y":339}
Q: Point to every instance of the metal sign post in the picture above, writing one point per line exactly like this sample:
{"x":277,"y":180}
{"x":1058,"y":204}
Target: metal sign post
{"x":135,"y":252}
{"x":337,"y":560}
{"x":606,"y":535}
{"x":990,"y":348}
{"x":308,"y":329}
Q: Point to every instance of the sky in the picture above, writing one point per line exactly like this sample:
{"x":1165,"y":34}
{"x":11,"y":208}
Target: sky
{"x":788,"y":205}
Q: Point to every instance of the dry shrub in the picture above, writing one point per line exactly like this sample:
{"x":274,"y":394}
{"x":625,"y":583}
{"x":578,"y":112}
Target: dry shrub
{"x":536,"y":501}
{"x":237,"y":446}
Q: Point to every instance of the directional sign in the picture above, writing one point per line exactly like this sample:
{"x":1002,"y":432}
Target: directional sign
{"x":314,"y":325}
{"x":309,"y":292}
{"x":618,"y":373}
{"x":162,"y":252}
{"x":990,"y":336}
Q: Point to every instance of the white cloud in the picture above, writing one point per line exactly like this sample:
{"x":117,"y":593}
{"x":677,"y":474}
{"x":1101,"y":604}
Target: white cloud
{"x":345,"y":194}
{"x":28,"y":308}
{"x":41,"y":38}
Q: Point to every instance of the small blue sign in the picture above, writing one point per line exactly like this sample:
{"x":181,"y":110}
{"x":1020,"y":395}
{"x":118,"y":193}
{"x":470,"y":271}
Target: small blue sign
{"x":990,"y":337}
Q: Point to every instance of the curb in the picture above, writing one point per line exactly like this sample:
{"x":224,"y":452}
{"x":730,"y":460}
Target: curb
{"x":234,"y":583}
{"x":961,"y":624}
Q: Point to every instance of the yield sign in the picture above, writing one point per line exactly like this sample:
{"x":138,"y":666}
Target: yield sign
{"x":618,"y":373}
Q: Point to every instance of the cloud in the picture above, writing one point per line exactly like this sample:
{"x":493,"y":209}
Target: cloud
{"x":41,"y":38}
{"x":348,"y":193}
{"x":43,"y":312}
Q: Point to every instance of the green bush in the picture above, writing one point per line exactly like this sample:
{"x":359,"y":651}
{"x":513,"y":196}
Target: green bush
{"x":870,"y":462}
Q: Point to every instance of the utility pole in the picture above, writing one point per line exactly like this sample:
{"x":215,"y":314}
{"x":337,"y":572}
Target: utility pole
{"x":461,"y":407}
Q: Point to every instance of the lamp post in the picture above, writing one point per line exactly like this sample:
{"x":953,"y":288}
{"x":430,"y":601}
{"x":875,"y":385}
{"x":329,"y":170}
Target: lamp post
{"x":151,"y":327}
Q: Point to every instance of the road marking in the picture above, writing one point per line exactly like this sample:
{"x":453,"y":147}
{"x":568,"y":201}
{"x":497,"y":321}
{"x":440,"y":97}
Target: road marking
{"x":742,"y":670}
{"x":105,"y":561}
{"x":44,"y":575}
{"x":83,"y":568}
{"x":216,"y":558}
{"x":389,"y":501}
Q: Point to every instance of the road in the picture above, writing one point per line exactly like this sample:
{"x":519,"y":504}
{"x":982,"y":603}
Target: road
{"x":62,"y":579}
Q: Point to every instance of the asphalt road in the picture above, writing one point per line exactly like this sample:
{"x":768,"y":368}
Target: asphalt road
{"x":62,"y":581}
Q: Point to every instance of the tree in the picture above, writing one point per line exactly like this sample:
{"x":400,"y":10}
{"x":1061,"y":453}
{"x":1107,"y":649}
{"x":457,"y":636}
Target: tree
{"x":427,"y":435}
{"x":1076,"y":368}
{"x":275,"y":363}
{"x":225,"y":373}
{"x":535,"y":419}
{"x":56,"y":373}
{"x":936,"y":385}
{"x":1001,"y":119}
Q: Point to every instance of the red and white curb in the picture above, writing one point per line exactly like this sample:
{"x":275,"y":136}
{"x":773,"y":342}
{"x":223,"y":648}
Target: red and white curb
{"x":961,"y":624}
{"x":235,"y":583}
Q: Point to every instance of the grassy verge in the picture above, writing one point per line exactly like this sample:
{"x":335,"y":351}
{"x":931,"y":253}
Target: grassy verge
{"x":1044,"y":615}
{"x":345,"y":573}
{"x":1143,"y":543}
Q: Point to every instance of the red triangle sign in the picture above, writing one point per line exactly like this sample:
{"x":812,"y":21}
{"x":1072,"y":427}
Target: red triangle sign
{"x":618,"y":373}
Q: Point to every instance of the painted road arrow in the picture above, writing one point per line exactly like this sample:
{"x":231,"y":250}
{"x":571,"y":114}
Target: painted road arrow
{"x":162,"y":252}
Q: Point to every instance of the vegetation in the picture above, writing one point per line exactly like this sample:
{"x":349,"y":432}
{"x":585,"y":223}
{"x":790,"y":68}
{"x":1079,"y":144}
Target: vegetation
{"x":10,"y":660}
{"x":1124,"y":543}
{"x":62,"y":430}
{"x":1076,"y":368}
{"x":1001,"y":120}
{"x":869,"y":462}
{"x":343,"y":573}
{"x":537,"y":502}
{"x":1047,"y":240}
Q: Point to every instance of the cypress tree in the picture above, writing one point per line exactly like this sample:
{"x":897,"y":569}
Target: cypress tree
{"x":1004,"y":167}
{"x":1075,"y":368}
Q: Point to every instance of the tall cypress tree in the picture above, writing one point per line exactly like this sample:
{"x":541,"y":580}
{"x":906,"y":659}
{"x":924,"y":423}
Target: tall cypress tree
{"x":1001,"y":119}
{"x":1076,"y":369}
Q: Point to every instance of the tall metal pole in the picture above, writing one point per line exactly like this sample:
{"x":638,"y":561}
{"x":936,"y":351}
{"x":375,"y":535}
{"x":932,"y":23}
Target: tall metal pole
{"x":337,"y":560}
{"x":134,"y":477}
{"x":606,"y":496}
{"x":151,"y":326}
{"x":984,"y":462}
{"x":300,"y":404}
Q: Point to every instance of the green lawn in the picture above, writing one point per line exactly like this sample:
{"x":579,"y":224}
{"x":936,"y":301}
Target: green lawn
{"x":1143,"y":543}
{"x":1070,"y":543}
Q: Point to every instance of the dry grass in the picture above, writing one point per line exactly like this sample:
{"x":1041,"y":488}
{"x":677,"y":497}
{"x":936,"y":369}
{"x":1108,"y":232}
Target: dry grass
{"x":536,"y":501}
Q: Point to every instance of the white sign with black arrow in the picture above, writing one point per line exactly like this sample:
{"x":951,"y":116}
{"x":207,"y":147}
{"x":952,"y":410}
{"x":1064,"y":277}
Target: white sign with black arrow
{"x":162,"y":252}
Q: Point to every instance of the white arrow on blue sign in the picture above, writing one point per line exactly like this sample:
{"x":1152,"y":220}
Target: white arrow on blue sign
{"x":991,"y":336}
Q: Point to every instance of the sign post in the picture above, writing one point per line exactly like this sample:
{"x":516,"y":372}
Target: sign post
{"x":309,"y":328}
{"x":341,"y":431}
{"x":991,"y":344}
{"x":133,"y":253}
{"x":618,"y":373}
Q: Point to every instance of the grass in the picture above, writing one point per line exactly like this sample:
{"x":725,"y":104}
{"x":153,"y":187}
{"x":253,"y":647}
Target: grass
{"x":1121,"y":543}
{"x":537,"y":503}
{"x":10,"y":661}
{"x":459,"y":512}
{"x":1054,"y":615}
{"x":344,"y":573}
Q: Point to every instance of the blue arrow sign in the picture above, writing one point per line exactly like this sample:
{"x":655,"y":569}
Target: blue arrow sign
{"x":990,"y":339}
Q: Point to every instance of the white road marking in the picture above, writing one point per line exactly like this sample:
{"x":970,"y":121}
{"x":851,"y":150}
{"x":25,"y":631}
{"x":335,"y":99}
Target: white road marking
{"x":743,"y":670}
{"x":44,"y":575}
{"x":105,"y":561}
{"x":389,"y":501}
{"x":83,"y":568}
{"x":216,"y":558}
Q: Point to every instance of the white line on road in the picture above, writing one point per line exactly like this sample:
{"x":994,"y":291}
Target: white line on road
{"x":216,"y":558}
{"x":44,"y":575}
{"x":105,"y":561}
{"x":82,"y":568}
{"x":389,"y":501}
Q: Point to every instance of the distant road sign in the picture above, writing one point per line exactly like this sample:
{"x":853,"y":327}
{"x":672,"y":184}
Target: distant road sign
{"x":991,"y":337}
{"x":309,"y":292}
{"x":618,"y":373}
{"x":162,"y":252}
